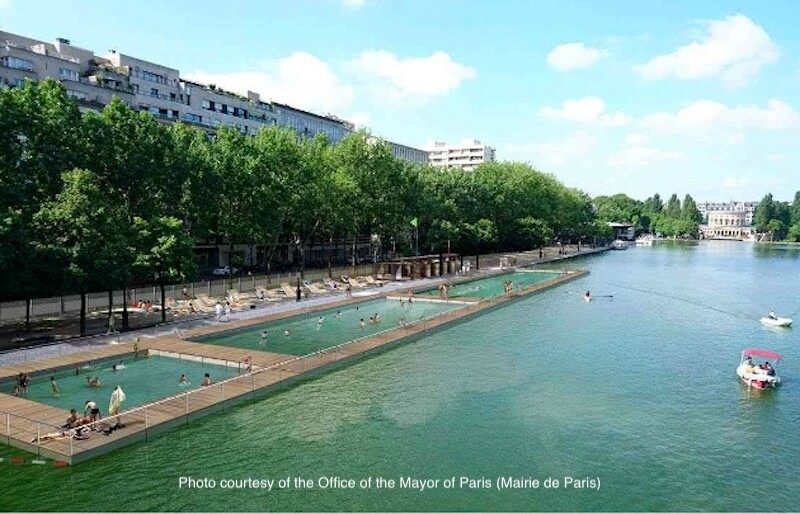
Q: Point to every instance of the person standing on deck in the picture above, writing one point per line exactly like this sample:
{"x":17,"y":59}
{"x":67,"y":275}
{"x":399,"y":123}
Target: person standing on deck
{"x":92,"y":410}
{"x":227,"y":311}
{"x":218,"y":311}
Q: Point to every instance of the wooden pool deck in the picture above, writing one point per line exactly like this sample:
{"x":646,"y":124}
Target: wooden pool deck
{"x":23,"y":421}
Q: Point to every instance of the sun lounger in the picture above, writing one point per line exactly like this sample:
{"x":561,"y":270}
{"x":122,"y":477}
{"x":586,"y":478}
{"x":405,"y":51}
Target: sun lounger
{"x":331,"y":283}
{"x":289,"y":290}
{"x":352,"y":281}
{"x":371,"y":281}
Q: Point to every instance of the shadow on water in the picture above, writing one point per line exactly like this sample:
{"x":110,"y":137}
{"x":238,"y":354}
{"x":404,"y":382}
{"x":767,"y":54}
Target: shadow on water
{"x":776,"y":251}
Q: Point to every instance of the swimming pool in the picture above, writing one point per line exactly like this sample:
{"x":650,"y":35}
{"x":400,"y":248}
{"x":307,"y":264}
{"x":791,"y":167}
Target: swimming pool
{"x":143,"y":380}
{"x":494,"y":287}
{"x":308,"y":334}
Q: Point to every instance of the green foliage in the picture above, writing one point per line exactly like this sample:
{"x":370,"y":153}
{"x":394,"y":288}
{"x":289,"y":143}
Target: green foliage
{"x":103,"y":200}
{"x":673,"y":209}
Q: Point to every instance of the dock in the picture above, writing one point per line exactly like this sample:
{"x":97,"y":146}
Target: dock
{"x":23,"y":422}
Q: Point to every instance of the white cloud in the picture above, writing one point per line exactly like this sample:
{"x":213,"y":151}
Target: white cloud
{"x":359,"y":119}
{"x":736,"y":182}
{"x":574,"y":56}
{"x":587,"y":111}
{"x":638,"y":156}
{"x":6,"y":5}
{"x":353,"y":4}
{"x":301,"y":80}
{"x":706,"y":116}
{"x":733,"y":49}
{"x":411,"y":79}
{"x":555,"y":153}
{"x":637,"y":139}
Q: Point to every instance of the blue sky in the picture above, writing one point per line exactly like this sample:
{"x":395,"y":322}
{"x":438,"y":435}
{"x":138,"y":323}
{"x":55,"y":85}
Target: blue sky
{"x":614,"y":96}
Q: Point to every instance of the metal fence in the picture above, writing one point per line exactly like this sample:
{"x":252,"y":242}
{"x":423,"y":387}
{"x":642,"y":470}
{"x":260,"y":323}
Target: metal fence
{"x":60,"y":306}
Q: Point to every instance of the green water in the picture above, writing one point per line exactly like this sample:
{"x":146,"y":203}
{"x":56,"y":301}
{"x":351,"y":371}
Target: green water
{"x":144,"y":380}
{"x":307,"y":334}
{"x":493,"y":287}
{"x":638,"y":390}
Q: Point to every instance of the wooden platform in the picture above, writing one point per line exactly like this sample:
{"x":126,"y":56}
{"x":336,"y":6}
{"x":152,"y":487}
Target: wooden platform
{"x":22,"y":421}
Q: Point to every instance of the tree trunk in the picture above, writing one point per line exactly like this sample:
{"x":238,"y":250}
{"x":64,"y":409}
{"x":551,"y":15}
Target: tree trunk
{"x":110,"y":307}
{"x":125,"y":308}
{"x":83,"y":313}
{"x":163,"y":298}
{"x":28,"y":315}
{"x":330,"y":251}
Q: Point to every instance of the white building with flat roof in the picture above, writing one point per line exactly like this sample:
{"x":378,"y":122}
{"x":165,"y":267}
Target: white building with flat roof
{"x":467,"y":155}
{"x":748,"y":208}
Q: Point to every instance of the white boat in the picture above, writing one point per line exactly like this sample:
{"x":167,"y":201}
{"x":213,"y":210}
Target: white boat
{"x":776,"y":321}
{"x":644,"y":240}
{"x":619,"y":244}
{"x":755,"y":375}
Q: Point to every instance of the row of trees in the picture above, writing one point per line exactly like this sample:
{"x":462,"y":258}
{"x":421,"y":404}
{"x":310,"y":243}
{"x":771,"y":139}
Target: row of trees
{"x":101,"y":201}
{"x":676,"y":218}
{"x":779,"y":219}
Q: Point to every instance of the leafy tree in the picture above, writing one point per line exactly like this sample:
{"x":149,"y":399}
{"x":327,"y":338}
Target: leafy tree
{"x":673,"y":209}
{"x":689,"y":210}
{"x":87,"y":231}
{"x":533,"y":233}
{"x":795,"y":209}
{"x":164,"y":249}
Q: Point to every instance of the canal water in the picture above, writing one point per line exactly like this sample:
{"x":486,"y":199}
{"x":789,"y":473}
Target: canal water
{"x":637,"y":391}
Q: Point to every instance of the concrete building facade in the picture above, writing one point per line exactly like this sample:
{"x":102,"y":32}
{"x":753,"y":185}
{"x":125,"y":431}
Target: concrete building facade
{"x":467,"y":155}
{"x":748,"y":208}
{"x":728,"y":224}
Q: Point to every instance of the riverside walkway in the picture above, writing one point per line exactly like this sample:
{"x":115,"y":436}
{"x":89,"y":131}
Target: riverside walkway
{"x":25,"y":422}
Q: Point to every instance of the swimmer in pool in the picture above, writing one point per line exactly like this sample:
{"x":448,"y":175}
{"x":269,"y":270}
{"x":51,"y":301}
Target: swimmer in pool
{"x":286,"y":332}
{"x":54,"y":385}
{"x":264,"y":336}
{"x":93,"y":382}
{"x":377,"y":318}
{"x":183,"y":380}
{"x":361,"y":323}
{"x":206,"y":380}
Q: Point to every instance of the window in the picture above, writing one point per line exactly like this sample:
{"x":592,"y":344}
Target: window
{"x":19,"y":82}
{"x":206,"y":104}
{"x":78,"y":95}
{"x":67,"y":74}
{"x":16,"y":63}
{"x":153,"y":92}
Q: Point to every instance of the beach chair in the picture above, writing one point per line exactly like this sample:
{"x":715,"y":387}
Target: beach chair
{"x":288,"y":289}
{"x":352,"y":281}
{"x":331,"y":283}
{"x":371,"y":281}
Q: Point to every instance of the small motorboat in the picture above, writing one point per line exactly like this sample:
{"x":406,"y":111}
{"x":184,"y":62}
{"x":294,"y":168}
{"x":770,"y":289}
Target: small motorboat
{"x":759,"y":376}
{"x":619,"y":244}
{"x":776,"y":321}
{"x":646,"y":240}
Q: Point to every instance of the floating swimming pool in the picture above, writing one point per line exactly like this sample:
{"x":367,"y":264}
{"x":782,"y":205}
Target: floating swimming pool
{"x":143,"y":380}
{"x":307,"y":334}
{"x":494,"y":287}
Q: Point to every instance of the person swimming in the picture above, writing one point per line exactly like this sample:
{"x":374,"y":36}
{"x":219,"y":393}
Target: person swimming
{"x":206,"y":380}
{"x":54,"y":386}
{"x":183,"y":381}
{"x":320,"y":320}
{"x":371,"y":320}
{"x":264,"y":336}
{"x":286,"y":332}
{"x":377,"y":318}
{"x":93,"y":382}
{"x":361,"y":323}
{"x":588,"y":296}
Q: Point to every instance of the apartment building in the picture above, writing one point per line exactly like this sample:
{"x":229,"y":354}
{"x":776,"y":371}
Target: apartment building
{"x":467,"y":155}
{"x":308,"y":124}
{"x":403,"y":152}
{"x":146,"y":86}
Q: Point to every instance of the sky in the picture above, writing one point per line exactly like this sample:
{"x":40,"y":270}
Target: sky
{"x":697,"y":97}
